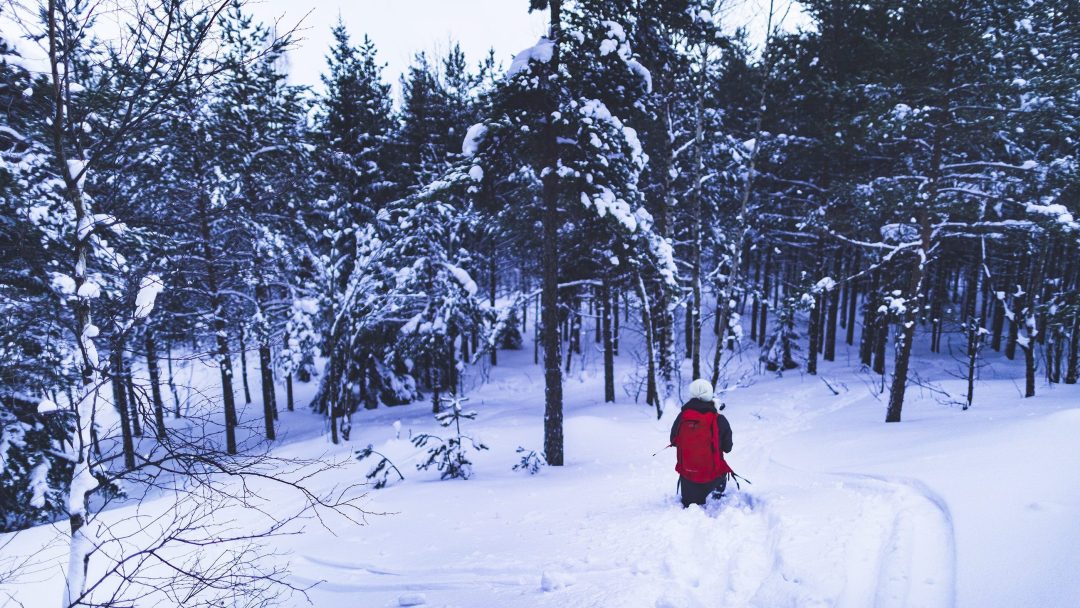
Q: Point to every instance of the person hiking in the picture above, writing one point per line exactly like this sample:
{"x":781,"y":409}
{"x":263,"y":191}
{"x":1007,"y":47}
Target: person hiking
{"x":701,"y":436}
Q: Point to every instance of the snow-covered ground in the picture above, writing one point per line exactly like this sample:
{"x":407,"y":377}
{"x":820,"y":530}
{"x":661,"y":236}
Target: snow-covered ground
{"x":968,"y":508}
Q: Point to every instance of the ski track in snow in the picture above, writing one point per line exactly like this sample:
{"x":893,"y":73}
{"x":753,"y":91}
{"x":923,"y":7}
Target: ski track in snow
{"x":887,"y":542}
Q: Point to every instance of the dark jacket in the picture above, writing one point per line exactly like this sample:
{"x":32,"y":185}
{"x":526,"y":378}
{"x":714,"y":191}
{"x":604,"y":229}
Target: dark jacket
{"x":723,"y":427}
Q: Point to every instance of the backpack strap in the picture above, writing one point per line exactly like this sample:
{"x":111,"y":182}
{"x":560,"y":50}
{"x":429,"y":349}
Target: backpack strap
{"x":714,"y":439}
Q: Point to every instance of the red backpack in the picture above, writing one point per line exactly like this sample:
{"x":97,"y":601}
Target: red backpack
{"x":699,"y":456}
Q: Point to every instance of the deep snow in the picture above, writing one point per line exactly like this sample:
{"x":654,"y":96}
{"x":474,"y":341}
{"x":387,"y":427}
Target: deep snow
{"x":969,"y":508}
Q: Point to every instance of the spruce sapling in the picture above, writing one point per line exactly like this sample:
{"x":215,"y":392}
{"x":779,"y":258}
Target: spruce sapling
{"x":530,"y":461}
{"x":450,"y":455}
{"x":381,"y":472}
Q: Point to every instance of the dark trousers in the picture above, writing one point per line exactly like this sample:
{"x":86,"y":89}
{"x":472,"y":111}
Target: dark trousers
{"x":694,"y":493}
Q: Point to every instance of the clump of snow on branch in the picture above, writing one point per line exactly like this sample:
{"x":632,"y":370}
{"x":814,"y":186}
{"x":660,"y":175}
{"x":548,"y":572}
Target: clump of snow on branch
{"x":1057,"y":212}
{"x":473,"y":137}
{"x":899,"y":233}
{"x":825,"y":285}
{"x":541,"y":52}
{"x":149,"y":288}
{"x":615,"y":40}
{"x":463,"y":277}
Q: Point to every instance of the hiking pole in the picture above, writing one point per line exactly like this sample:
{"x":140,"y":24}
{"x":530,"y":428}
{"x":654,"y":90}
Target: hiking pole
{"x":737,"y":477}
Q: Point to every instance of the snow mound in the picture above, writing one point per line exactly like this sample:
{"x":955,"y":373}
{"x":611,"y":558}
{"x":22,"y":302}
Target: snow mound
{"x":412,"y":599}
{"x":552,"y":581}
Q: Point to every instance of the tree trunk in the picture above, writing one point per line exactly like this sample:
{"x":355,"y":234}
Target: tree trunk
{"x":974,"y":328}
{"x":570,"y":339}
{"x":609,"y":350}
{"x":120,"y":399}
{"x":1054,"y":351}
{"x":553,"y":407}
{"x":155,"y":383}
{"x":576,"y":324}
{"x":269,"y":398}
{"x":938,"y":299}
{"x":266,"y":365}
{"x":615,"y":322}
{"x":1014,"y":333}
{"x":997,"y":325}
{"x":594,"y":311}
{"x":696,"y":212}
{"x":453,"y":374}
{"x":1030,"y":320}
{"x":868,"y":340}
{"x":881,"y":341}
{"x":722,"y":309}
{"x":333,"y":381}
{"x":688,"y":329}
{"x":1072,"y":368}
{"x":289,"y":403}
{"x":132,"y":398}
{"x":764,"y":320}
{"x":755,"y":306}
{"x":493,"y":276}
{"x":436,"y":385}
{"x":906,"y":331}
{"x":524,"y":285}
{"x":651,"y":395}
{"x":814,"y":329}
{"x":244,"y":364}
{"x":852,"y":295}
{"x":787,"y":361}
{"x":830,"y":324}
{"x":845,"y":294}
{"x":1029,"y":369}
{"x":905,"y":336}
{"x":660,"y":197}
{"x":172,"y":380}
{"x":219,"y":325}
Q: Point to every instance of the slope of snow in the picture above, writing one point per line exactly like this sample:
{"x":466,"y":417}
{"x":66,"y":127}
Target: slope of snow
{"x":948,"y":508}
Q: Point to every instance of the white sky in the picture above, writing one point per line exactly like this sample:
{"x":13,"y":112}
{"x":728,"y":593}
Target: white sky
{"x":401,"y":28}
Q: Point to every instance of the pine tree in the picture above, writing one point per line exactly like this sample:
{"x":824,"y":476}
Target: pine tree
{"x":594,"y":179}
{"x":38,"y":363}
{"x":354,"y":131}
{"x":262,"y":155}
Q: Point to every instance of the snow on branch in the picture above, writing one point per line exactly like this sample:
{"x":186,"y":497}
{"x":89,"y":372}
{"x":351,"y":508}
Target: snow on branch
{"x":541,"y":52}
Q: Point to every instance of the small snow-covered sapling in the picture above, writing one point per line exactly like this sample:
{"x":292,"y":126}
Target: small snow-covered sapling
{"x":381,"y":472}
{"x":449,"y":456}
{"x":530,"y":461}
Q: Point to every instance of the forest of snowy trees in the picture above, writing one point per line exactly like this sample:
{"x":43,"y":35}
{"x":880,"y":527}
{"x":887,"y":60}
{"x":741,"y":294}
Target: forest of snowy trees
{"x":899,"y":172}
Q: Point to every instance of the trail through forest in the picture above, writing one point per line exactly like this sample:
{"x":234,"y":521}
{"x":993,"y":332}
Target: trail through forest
{"x":813,"y":529}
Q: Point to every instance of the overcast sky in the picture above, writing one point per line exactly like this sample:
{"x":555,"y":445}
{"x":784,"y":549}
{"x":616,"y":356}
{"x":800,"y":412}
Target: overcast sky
{"x":401,"y":28}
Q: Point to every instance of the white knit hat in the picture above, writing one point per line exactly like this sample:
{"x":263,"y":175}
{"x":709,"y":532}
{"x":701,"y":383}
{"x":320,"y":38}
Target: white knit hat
{"x":701,"y":389}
